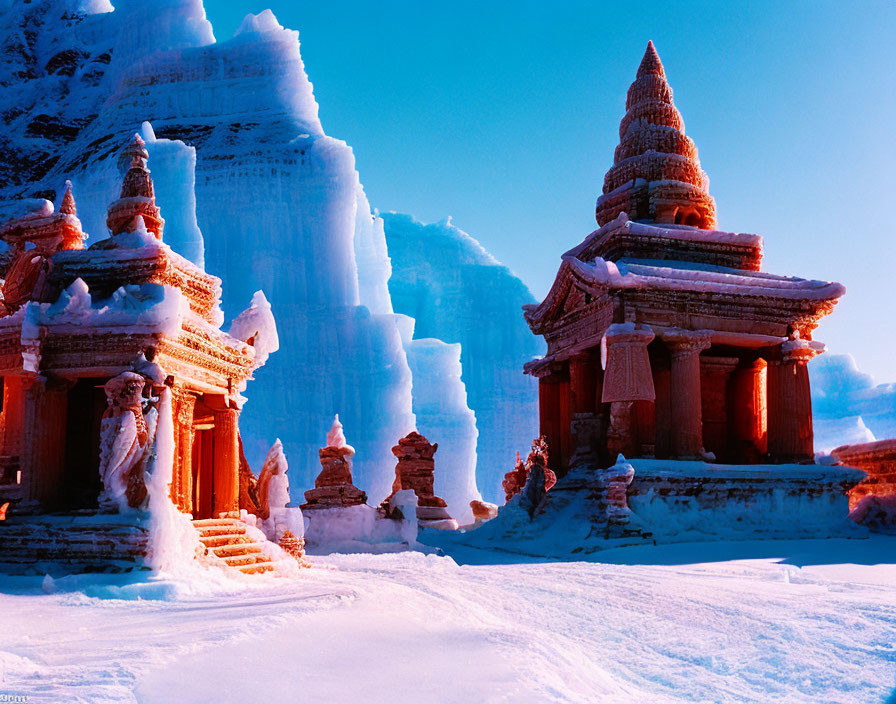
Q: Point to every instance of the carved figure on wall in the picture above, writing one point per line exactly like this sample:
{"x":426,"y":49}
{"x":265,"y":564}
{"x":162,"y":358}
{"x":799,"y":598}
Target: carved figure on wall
{"x":126,"y":435}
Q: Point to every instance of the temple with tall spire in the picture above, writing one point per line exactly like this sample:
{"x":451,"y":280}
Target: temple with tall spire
{"x":665,"y":339}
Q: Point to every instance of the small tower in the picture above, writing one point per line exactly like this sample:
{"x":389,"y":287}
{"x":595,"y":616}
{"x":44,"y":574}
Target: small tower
{"x":72,"y":235}
{"x":137,"y":195}
{"x":656,"y":175}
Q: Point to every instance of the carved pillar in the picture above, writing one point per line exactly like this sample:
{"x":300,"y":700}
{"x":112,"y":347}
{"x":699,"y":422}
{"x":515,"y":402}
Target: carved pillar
{"x":11,"y":427}
{"x":182,"y":476}
{"x":790,"y":434}
{"x":226,"y":462}
{"x":43,"y":449}
{"x":12,"y":416}
{"x":627,"y":379}
{"x":686,"y":401}
{"x":747,"y":413}
{"x":549,"y":412}
{"x":715,"y":372}
{"x":582,"y":381}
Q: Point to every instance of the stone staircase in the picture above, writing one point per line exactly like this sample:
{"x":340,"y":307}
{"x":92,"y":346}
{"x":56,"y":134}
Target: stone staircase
{"x":228,"y":545}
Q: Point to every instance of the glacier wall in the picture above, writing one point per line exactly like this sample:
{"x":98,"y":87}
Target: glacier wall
{"x":458,"y":293}
{"x":847,"y":405}
{"x":277,"y":202}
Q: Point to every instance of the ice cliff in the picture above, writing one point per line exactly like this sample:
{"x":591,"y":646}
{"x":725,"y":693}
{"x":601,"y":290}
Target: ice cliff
{"x":847,"y":406}
{"x":241,"y":161}
{"x":457,"y":292}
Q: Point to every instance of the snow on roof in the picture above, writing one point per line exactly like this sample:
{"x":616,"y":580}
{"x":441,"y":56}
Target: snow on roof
{"x":635,"y":274}
{"x":684,"y":233}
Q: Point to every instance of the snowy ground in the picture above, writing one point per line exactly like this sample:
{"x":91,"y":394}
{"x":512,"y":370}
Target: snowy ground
{"x":810,"y":621}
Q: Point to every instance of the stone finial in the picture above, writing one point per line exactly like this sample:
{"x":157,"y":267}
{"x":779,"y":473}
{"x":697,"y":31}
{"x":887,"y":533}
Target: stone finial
{"x":336,"y":436}
{"x":651,"y":63}
{"x":67,"y":207}
{"x":137,"y":195}
{"x":333,"y":486}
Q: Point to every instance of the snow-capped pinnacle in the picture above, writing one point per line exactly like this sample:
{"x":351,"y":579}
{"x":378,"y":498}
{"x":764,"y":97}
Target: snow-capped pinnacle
{"x":67,"y":207}
{"x":256,"y":325}
{"x":336,"y":437}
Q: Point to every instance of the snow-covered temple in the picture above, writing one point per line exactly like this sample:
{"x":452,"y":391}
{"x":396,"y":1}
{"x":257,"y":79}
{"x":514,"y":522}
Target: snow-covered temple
{"x":665,"y":339}
{"x":121,"y":394}
{"x":76,"y":318}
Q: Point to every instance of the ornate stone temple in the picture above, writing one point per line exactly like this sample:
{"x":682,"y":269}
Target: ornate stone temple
{"x":91,"y":340}
{"x":665,"y":339}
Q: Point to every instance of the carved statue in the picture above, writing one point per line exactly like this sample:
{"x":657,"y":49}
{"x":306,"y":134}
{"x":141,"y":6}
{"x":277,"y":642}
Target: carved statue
{"x":273,"y":484}
{"x":126,"y":435}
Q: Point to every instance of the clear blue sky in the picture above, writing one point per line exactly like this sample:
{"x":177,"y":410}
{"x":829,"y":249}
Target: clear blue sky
{"x":504,"y":115}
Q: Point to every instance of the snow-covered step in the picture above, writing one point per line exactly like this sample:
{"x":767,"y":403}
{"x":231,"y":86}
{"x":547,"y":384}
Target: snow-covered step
{"x":248,"y":559}
{"x":258,"y":568}
{"x":237,"y":549}
{"x":215,"y":541}
{"x":229,"y":545}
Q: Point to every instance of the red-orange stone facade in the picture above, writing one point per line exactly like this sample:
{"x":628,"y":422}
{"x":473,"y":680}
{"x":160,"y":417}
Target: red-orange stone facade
{"x":665,"y":339}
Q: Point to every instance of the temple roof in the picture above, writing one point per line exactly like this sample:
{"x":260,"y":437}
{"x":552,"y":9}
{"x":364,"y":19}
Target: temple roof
{"x":654,"y":149}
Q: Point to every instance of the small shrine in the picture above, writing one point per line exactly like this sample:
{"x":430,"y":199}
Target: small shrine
{"x":105,"y":349}
{"x":415,"y":471}
{"x":665,"y":339}
{"x":333,"y":486}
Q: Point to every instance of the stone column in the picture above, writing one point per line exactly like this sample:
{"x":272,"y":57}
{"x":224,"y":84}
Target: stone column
{"x":790,"y":434}
{"x":43,"y":448}
{"x":11,"y":426}
{"x":627,"y":379}
{"x":582,"y":381}
{"x":182,"y":476}
{"x":715,"y":373}
{"x":747,"y":412}
{"x":686,"y":402}
{"x":226,"y":463}
{"x":549,"y":411}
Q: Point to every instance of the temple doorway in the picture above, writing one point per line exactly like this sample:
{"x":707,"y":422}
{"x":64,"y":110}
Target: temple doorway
{"x":81,"y":483}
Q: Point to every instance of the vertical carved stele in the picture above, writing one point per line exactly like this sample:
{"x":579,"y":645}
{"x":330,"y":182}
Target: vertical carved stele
{"x":182,"y":476}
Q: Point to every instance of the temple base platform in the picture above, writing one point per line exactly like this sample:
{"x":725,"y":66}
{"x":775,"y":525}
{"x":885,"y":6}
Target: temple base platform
{"x":70,"y":543}
{"x":668,"y":501}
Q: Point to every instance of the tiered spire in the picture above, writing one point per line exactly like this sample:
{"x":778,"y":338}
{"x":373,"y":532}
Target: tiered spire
{"x":656,"y":174}
{"x":67,"y":207}
{"x":137,"y":195}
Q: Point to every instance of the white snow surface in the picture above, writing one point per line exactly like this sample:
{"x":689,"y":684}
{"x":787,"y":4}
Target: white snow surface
{"x":784,"y":622}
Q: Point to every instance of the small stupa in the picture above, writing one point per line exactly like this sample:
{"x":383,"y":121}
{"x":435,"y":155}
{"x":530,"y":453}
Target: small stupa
{"x":333,"y":486}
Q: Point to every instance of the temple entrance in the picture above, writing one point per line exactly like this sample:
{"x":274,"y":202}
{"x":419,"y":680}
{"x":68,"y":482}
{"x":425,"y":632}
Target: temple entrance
{"x":209,"y":458}
{"x":81,"y":483}
{"x":203,"y":471}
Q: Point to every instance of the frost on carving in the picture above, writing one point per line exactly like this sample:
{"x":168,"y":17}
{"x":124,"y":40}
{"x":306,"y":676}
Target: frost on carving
{"x":126,"y":434}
